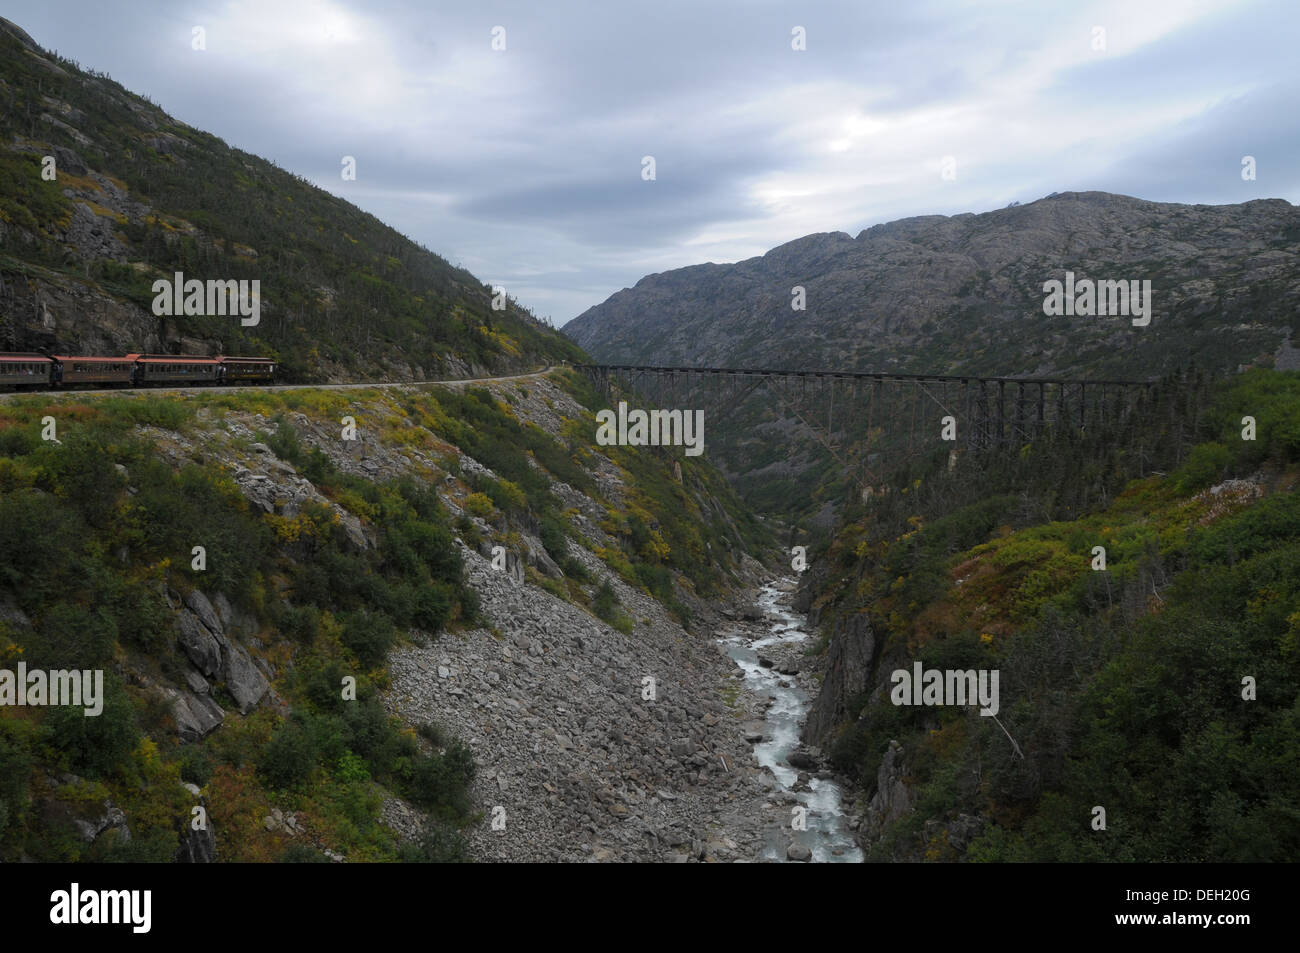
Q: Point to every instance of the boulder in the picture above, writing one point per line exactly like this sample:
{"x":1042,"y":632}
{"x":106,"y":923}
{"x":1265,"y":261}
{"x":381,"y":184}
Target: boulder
{"x":198,"y":642}
{"x":244,"y":682}
{"x":196,"y":716}
{"x":225,"y":611}
{"x":964,"y":829}
{"x":201,"y":607}
{"x":234,"y":620}
{"x":15,"y":616}
{"x":535,"y":555}
{"x":197,"y":847}
{"x":798,"y":853}
{"x":802,"y":761}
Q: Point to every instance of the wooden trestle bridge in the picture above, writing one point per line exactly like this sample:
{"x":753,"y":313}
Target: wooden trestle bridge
{"x":904,"y":413}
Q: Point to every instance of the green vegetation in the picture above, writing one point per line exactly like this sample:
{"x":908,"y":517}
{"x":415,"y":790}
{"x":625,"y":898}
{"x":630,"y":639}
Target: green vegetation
{"x":669,"y":530}
{"x":1123,"y":688}
{"x":606,"y":606}
{"x":97,"y":531}
{"x":88,"y":552}
{"x":96,"y":535}
{"x":340,"y":290}
{"x":26,"y":200}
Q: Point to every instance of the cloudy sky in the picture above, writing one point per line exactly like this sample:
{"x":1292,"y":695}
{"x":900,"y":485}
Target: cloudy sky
{"x":525,"y":164}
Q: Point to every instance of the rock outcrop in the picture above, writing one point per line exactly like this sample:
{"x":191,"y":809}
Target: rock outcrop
{"x":892,"y":797}
{"x":847,"y":674}
{"x":201,"y":634}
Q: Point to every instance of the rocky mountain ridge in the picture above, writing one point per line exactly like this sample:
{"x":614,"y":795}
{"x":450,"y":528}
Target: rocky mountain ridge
{"x":964,"y":294}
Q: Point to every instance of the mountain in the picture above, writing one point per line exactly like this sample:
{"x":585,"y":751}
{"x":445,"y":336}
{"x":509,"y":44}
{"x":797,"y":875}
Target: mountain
{"x":964,"y":294}
{"x":497,"y":589}
{"x":138,"y":196}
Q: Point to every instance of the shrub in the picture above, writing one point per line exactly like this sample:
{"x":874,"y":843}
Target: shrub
{"x":439,"y":782}
{"x":1205,"y":465}
{"x":300,"y":623}
{"x":72,"y":636}
{"x":195,"y":766}
{"x":606,"y":606}
{"x":554,"y":539}
{"x":605,"y":602}
{"x":96,"y":746}
{"x":15,"y":762}
{"x":479,"y":504}
{"x":433,"y":733}
{"x":468,"y":531}
{"x":287,"y":761}
{"x":369,"y":635}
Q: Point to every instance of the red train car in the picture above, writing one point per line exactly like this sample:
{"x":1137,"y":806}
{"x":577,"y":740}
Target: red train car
{"x":30,"y":371}
{"x":73,"y":370}
{"x":152,"y":370}
{"x":253,"y":370}
{"x":25,"y":371}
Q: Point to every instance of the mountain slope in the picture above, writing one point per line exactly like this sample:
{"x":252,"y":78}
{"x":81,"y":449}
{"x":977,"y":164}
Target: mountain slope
{"x":140,"y":195}
{"x":1126,"y":685}
{"x":479,"y":569}
{"x":965,"y":294}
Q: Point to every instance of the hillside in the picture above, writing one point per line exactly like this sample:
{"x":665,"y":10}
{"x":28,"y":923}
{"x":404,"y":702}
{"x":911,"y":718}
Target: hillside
{"x":139,"y":195}
{"x":963,"y":294}
{"x":1160,"y":686}
{"x":484,"y":678}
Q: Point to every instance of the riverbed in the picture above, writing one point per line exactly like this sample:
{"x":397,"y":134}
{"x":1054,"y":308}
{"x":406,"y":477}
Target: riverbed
{"x":827,"y":834}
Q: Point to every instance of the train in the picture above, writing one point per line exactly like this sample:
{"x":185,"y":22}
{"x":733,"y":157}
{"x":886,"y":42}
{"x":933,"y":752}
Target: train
{"x":62,"y":371}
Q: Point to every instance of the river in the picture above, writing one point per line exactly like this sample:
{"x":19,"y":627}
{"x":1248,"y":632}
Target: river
{"x":827,"y":833}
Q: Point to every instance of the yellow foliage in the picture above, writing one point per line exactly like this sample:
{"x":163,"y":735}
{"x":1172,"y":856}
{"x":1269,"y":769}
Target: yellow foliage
{"x":290,"y":530}
{"x":479,"y":504}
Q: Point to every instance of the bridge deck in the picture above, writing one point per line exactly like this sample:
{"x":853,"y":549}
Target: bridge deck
{"x":863,"y":375}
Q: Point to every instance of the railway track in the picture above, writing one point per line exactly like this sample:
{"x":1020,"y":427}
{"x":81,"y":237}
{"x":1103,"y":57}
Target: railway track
{"x":109,"y":391}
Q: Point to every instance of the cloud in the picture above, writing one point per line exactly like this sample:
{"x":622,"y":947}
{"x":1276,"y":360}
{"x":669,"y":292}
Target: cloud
{"x":524,"y":165}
